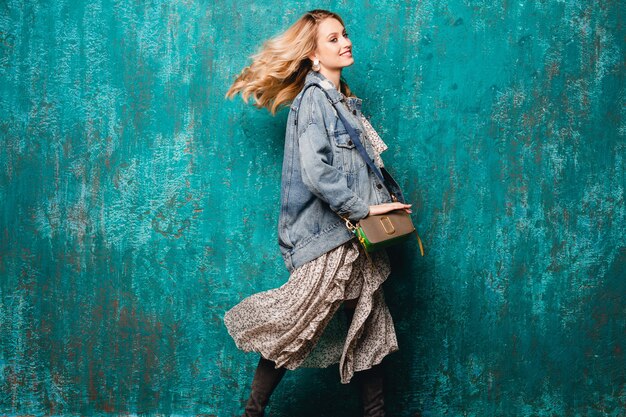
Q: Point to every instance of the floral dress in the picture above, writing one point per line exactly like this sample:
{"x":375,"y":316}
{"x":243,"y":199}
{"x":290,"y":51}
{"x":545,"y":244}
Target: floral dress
{"x":295,"y":325}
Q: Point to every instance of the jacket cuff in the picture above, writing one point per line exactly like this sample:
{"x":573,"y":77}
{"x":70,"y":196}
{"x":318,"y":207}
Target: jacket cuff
{"x":355,"y":209}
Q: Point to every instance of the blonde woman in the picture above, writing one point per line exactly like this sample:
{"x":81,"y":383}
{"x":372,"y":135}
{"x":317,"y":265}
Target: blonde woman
{"x":324,"y":181}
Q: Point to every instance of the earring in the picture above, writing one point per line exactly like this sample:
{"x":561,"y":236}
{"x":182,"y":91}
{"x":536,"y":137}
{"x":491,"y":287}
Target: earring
{"x":316,"y":65}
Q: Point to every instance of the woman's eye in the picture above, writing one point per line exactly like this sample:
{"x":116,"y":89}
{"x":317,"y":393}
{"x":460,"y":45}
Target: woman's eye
{"x":345,"y":35}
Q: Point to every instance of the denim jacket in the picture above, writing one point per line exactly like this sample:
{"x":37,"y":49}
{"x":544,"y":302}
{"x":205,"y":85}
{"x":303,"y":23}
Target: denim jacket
{"x":323,"y":174}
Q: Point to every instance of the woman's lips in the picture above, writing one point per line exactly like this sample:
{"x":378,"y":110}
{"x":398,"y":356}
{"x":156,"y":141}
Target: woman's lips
{"x":347,"y":53}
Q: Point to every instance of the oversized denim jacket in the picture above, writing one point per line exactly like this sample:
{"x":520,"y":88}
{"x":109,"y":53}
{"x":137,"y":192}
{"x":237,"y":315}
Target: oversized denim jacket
{"x":323,"y":174}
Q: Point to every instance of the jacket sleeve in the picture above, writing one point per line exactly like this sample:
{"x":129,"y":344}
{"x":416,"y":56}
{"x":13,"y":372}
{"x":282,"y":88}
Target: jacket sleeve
{"x":323,"y":179}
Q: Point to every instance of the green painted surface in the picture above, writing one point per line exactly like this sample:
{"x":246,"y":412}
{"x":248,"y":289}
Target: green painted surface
{"x":138,"y":205}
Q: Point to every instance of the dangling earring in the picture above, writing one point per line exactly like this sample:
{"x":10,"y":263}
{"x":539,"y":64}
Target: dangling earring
{"x":316,"y":65}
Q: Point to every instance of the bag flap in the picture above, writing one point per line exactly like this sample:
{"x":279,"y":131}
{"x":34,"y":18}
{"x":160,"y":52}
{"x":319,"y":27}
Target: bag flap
{"x":386,"y":226}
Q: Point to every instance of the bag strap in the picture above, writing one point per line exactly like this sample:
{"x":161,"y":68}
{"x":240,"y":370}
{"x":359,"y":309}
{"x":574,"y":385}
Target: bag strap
{"x":357,"y":142}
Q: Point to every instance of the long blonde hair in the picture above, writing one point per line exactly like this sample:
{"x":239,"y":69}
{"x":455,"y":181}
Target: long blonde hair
{"x":279,"y":69}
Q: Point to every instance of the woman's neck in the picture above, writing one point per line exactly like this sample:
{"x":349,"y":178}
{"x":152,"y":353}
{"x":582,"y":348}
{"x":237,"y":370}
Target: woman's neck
{"x":333,"y":76}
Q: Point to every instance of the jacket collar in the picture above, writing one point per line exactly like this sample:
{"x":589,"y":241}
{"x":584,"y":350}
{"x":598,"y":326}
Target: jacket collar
{"x":314,"y":77}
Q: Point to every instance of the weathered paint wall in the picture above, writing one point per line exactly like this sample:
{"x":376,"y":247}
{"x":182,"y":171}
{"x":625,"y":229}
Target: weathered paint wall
{"x":138,"y":205}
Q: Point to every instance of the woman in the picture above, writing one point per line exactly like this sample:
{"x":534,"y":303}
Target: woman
{"x":324,"y":181}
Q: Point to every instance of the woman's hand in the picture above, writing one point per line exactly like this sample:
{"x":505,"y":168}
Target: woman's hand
{"x":387,"y":207}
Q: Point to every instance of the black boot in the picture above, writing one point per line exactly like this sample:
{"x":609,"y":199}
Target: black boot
{"x":266,"y":378}
{"x":371,"y":382}
{"x":372,"y":392}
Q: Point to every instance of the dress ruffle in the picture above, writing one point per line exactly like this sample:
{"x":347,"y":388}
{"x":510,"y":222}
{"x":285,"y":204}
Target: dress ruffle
{"x":295,"y":325}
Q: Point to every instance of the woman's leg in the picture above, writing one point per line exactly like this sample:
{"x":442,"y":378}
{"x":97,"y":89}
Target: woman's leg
{"x":350,"y":304}
{"x":372,"y":391}
{"x":266,"y":378}
{"x":370,"y":380}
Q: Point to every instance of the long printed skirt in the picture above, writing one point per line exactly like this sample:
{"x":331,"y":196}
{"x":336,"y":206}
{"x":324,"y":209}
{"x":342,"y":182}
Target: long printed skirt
{"x":295,"y":325}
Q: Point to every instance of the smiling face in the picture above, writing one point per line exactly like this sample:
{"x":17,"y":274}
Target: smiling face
{"x":334,"y":49}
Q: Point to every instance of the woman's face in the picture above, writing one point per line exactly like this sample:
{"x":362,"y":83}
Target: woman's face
{"x":334,"y":49}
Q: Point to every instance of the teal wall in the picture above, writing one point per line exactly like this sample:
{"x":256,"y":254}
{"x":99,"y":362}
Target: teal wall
{"x":138,"y":205}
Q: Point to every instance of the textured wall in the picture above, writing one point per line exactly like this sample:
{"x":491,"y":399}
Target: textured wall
{"x":138,"y":205}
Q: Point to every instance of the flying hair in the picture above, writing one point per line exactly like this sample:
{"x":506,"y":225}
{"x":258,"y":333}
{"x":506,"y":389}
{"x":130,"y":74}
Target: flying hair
{"x":278,"y":71}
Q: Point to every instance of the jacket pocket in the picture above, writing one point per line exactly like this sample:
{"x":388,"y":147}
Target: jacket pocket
{"x":351,"y":159}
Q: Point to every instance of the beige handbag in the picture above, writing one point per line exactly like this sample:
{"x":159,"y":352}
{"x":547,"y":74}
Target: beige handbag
{"x":379,"y":231}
